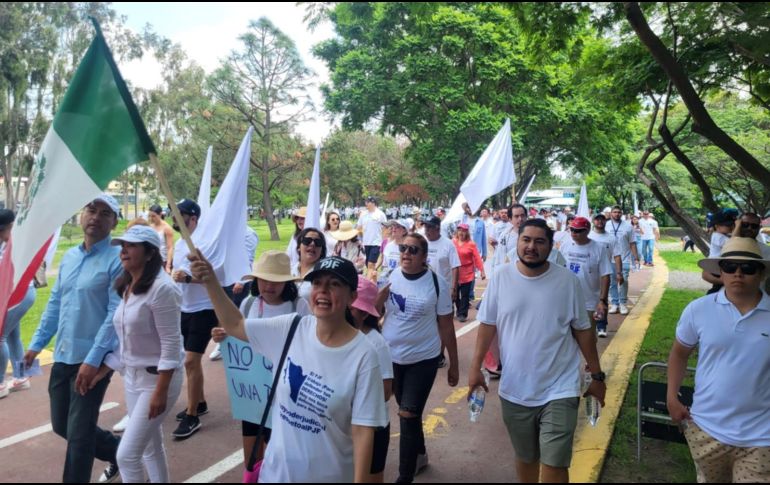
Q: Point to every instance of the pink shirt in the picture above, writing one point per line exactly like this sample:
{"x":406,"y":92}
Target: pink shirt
{"x":470,"y":260}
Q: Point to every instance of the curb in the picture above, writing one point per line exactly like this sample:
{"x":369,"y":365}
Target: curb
{"x":618,"y":361}
{"x":45,"y":357}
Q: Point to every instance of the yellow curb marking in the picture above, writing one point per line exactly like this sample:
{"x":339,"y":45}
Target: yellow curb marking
{"x":45,"y":356}
{"x":618,"y":360}
{"x":459,"y":394}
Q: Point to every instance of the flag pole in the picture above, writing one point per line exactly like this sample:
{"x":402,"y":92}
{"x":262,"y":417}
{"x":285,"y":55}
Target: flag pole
{"x":172,"y":203}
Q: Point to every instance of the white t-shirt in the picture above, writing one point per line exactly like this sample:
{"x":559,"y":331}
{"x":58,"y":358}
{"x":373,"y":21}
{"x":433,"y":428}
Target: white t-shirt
{"x":372,"y":223}
{"x":504,"y":235}
{"x":391,"y":259}
{"x":648,"y":228}
{"x":315,"y":403}
{"x":291,"y":251}
{"x":540,"y":357}
{"x":560,"y":237}
{"x":732,"y":377}
{"x":411,"y":327}
{"x":443,"y":258}
{"x":717,"y":241}
{"x":330,"y":243}
{"x":624,"y":236}
{"x":590,"y":263}
{"x":609,"y":241}
{"x":195,"y":298}
{"x":260,"y":309}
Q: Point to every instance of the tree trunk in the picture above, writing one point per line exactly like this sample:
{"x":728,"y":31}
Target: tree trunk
{"x":703,"y":124}
{"x":267,"y":204}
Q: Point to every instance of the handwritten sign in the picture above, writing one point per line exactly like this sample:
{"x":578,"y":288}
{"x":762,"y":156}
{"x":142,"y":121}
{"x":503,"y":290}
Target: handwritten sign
{"x":249,"y":378}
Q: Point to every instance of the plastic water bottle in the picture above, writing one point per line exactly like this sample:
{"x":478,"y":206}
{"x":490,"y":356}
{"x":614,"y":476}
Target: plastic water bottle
{"x":476,"y":402}
{"x":593,"y":408}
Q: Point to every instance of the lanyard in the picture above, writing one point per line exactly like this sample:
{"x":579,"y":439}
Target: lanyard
{"x":616,"y":229}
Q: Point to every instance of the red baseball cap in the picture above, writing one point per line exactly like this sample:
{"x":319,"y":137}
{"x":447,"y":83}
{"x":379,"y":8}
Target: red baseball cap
{"x":580,"y":223}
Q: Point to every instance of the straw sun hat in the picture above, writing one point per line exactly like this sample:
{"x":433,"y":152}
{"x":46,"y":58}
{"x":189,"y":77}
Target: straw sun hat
{"x":736,"y":249}
{"x":273,"y":266}
{"x":346,"y":232}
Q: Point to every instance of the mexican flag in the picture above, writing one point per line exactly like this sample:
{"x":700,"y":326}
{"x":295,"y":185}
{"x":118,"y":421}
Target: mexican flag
{"x":96,"y":134}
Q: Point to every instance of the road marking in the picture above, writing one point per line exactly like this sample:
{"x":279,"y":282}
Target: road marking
{"x":459,"y":394}
{"x":218,"y":469}
{"x":468,"y":328}
{"x":12,"y":440}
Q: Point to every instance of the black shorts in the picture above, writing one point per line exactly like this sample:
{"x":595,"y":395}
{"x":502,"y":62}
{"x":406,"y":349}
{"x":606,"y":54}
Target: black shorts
{"x":250,"y":429}
{"x":380,"y":449}
{"x":196,"y":330}
{"x":372,"y":254}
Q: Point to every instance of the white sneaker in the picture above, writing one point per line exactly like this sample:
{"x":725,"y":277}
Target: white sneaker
{"x":623,"y":310}
{"x":602,"y":333}
{"x":121,"y":426}
{"x":216,"y":354}
{"x":5,"y":389}
{"x":20,"y":384}
{"x":613,"y":309}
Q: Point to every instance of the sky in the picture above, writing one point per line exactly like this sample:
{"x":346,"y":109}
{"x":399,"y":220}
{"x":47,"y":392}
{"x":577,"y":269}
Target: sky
{"x":208,"y":32}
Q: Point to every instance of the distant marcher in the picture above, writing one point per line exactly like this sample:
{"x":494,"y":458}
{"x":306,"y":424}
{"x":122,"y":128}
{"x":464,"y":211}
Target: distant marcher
{"x":166,"y":234}
{"x":349,"y":246}
{"x":299,"y":224}
{"x":650,"y":234}
{"x":470,"y":261}
{"x":369,"y":225}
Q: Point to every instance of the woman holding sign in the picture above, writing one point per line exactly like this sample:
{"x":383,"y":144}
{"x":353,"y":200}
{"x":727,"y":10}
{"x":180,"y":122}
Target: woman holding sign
{"x":273,"y":294}
{"x":328,"y":400}
{"x":150,"y":356}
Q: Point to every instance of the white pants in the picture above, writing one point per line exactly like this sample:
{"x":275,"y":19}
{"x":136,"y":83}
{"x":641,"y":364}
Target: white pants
{"x":142,"y":443}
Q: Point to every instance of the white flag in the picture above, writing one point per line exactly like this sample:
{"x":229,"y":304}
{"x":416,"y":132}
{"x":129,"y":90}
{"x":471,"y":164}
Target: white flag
{"x":221,"y":239}
{"x":636,"y":205}
{"x":204,"y":193}
{"x":583,"y":210}
{"x":523,"y":200}
{"x":313,"y":218}
{"x":493,"y":172}
{"x":456,"y":212}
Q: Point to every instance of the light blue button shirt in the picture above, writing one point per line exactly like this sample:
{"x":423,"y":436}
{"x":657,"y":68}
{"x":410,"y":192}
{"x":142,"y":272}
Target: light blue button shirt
{"x":81,"y":306}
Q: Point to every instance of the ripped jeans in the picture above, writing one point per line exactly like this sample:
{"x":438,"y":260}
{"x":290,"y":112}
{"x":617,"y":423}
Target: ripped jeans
{"x":411,"y":386}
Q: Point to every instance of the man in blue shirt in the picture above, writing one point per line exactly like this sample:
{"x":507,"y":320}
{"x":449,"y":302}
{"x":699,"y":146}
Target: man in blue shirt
{"x":79,"y":314}
{"x":478,"y":234}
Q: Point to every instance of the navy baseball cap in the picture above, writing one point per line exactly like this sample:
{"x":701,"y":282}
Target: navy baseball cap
{"x":189,"y":207}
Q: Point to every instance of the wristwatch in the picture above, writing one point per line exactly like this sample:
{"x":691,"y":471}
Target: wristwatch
{"x":187,"y":279}
{"x":601,"y":376}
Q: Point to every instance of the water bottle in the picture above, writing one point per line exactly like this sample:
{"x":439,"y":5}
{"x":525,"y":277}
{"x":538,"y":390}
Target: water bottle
{"x":593,"y":408}
{"x":476,"y":402}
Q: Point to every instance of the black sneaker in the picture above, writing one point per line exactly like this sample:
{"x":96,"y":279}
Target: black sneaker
{"x":188,"y":427}
{"x":110,"y":474}
{"x":203,"y":408}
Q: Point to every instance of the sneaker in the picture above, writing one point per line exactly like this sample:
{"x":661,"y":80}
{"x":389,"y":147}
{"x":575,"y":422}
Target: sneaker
{"x":5,"y":389}
{"x":203,"y":408}
{"x":110,"y":474}
{"x":20,"y":384}
{"x":623,"y":309}
{"x":216,"y":354}
{"x":613,"y":309}
{"x":121,"y":426}
{"x":463,"y":319}
{"x":188,"y":427}
{"x":602,"y":333}
{"x":422,"y":463}
{"x":442,"y":362}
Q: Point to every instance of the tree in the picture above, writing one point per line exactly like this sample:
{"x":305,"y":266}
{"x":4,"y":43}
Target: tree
{"x":266,"y":84}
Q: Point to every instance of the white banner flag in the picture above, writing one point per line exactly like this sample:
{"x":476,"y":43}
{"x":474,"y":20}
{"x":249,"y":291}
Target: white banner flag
{"x":583,"y":210}
{"x":493,"y":173}
{"x":204,"y":193}
{"x":313,"y":218}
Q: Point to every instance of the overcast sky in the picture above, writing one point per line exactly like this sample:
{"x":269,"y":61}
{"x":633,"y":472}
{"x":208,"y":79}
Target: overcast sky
{"x":209,"y":31}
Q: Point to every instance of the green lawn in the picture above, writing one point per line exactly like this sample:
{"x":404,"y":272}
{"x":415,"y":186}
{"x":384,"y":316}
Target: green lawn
{"x":73,"y":236}
{"x":661,"y":461}
{"x":680,"y":261}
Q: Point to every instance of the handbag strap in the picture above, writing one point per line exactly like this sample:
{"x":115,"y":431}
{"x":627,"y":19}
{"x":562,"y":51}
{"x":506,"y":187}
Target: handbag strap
{"x":271,"y":395}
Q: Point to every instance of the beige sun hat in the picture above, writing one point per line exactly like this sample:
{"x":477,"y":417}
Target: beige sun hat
{"x":346,"y":232}
{"x":273,"y":266}
{"x":736,"y":249}
{"x":301,"y":212}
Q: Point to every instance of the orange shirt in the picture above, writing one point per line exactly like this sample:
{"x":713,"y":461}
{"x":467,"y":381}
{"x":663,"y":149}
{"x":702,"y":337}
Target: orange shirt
{"x":470,"y":260}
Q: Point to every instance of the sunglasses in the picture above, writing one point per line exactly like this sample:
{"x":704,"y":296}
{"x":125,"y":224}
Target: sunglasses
{"x":307,"y":241}
{"x":577,"y":231}
{"x":748,"y":269}
{"x":413,"y":250}
{"x":749,"y":225}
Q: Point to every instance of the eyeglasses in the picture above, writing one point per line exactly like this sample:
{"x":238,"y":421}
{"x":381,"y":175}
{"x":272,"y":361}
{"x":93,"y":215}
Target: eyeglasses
{"x":413,"y":250}
{"x":577,"y":231}
{"x":334,"y":219}
{"x":307,"y":241}
{"x":749,"y":269}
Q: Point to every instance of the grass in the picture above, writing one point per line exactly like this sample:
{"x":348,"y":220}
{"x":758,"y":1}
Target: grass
{"x":661,"y":461}
{"x":73,"y":236}
{"x":681,"y":261}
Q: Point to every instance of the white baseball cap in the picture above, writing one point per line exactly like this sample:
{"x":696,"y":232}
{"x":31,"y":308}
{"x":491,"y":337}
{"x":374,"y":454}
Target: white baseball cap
{"x":139,"y":234}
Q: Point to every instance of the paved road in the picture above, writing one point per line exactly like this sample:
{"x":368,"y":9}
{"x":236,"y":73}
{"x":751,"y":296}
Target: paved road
{"x":459,"y":450}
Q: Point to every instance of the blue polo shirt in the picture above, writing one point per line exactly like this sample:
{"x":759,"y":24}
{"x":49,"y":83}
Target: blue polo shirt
{"x":732,"y":378}
{"x":81,"y":306}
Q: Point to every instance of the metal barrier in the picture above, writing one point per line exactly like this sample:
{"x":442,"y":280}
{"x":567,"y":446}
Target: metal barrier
{"x":652,"y":418}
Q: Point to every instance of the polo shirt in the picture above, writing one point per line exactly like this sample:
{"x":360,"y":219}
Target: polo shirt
{"x":732,"y":378}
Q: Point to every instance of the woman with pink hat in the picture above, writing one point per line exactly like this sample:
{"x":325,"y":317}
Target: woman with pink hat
{"x":366,"y":319}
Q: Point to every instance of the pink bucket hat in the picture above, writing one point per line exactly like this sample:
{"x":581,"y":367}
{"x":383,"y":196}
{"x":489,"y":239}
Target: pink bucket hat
{"x":367,"y":293}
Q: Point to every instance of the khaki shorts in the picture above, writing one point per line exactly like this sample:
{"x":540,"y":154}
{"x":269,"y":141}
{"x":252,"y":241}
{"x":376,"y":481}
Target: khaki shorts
{"x":544,"y":433}
{"x":716,"y":462}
